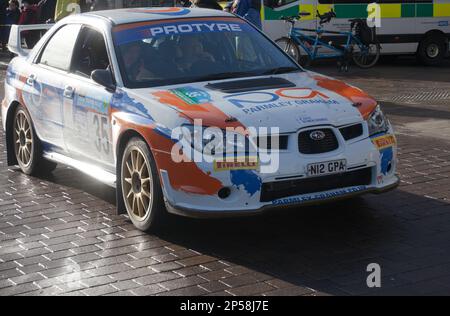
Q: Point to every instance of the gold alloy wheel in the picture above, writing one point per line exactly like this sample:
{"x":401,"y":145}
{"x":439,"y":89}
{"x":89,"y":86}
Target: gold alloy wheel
{"x":137,"y":183}
{"x":23,"y":139}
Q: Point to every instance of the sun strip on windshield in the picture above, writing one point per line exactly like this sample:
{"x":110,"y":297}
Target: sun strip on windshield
{"x":159,"y":28}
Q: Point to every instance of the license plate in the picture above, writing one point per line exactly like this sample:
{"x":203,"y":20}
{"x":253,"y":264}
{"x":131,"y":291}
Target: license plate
{"x":328,"y":167}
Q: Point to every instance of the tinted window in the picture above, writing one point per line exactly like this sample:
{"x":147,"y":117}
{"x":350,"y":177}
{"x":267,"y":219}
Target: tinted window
{"x":173,"y":52}
{"x":58,"y":51}
{"x":90,"y":52}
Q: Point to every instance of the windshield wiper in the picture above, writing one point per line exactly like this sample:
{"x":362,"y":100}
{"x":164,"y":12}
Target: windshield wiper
{"x":281,"y":70}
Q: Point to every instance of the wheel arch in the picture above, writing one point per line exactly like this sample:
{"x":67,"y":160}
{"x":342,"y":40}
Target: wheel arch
{"x":121,"y":144}
{"x":435,"y":32}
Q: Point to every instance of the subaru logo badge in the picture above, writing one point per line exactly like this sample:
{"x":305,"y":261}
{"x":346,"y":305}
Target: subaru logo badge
{"x":317,"y":135}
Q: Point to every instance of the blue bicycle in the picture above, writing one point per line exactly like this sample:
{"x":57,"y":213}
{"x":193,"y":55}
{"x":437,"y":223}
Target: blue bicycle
{"x":359,"y":44}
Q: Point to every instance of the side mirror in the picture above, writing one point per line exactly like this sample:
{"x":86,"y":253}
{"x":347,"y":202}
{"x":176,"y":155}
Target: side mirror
{"x":104,"y":77}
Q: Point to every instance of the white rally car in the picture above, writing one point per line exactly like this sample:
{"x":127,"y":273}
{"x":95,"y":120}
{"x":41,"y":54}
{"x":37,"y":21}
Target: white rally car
{"x":192,"y":111}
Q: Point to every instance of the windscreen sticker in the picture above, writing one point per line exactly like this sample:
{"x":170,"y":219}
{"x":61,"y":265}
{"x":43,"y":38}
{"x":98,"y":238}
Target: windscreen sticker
{"x":162,"y":11}
{"x":124,"y":36}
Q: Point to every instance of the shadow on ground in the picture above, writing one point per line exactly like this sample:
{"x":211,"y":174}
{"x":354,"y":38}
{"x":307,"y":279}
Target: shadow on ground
{"x":326,"y":248}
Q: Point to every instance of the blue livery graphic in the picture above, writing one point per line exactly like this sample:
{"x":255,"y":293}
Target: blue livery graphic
{"x":248,"y":179}
{"x":386,"y":159}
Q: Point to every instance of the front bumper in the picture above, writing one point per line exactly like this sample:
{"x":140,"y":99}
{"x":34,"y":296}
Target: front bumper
{"x":195,"y":213}
{"x":247,"y":186}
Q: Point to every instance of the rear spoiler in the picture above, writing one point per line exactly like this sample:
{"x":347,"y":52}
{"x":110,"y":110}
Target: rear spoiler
{"x":15,"y":42}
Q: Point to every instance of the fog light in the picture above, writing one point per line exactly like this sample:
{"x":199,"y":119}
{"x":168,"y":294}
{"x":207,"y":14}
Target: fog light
{"x":224,"y":193}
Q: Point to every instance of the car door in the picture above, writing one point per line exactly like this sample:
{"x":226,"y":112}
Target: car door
{"x":46,"y":81}
{"x":87,"y":117}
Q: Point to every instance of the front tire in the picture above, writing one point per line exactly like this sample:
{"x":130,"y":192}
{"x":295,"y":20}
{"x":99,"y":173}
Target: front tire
{"x":27,"y":147}
{"x":141,"y":189}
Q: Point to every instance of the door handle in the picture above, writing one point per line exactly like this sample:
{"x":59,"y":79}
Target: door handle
{"x":31,"y":79}
{"x":68,"y":92}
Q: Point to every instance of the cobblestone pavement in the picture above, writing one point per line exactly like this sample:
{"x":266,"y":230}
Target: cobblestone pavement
{"x":60,"y":235}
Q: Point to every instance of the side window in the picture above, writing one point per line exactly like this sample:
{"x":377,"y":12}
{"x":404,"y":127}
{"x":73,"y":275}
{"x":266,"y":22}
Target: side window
{"x":90,"y":53}
{"x":58,"y":50}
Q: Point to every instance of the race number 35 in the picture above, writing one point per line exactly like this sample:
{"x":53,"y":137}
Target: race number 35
{"x":101,"y":133}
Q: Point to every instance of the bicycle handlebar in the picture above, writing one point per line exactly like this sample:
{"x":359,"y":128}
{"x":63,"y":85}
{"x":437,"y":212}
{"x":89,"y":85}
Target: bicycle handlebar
{"x":326,"y":17}
{"x":292,"y":19}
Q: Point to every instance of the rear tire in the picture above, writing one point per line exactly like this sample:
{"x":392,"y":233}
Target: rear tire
{"x":27,"y":147}
{"x":292,"y":49}
{"x":368,"y":58}
{"x":140,"y":185}
{"x":432,"y":50}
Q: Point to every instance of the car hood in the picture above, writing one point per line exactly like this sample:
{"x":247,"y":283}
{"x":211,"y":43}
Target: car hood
{"x":309,"y":99}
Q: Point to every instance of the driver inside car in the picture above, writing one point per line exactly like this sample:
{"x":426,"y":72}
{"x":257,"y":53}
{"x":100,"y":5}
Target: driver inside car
{"x":193,"y":54}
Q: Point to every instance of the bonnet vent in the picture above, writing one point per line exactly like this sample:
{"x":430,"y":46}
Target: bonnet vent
{"x":245,"y":85}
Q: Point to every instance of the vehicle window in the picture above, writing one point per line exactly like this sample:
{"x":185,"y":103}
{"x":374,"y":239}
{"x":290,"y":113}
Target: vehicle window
{"x":90,"y":52}
{"x":179,"y":52}
{"x":58,"y":51}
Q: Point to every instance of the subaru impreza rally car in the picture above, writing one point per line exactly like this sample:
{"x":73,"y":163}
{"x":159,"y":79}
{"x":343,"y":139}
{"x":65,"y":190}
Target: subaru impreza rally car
{"x":190,"y":111}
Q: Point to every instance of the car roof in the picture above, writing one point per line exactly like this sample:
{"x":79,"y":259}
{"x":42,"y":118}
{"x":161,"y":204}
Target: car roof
{"x":132,"y":15}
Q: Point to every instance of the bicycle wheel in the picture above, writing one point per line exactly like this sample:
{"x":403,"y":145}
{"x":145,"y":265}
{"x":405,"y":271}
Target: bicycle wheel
{"x":289,"y":47}
{"x":366,"y":56}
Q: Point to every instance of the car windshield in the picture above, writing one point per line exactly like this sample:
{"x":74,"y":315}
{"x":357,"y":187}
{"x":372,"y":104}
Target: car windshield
{"x":157,"y":53}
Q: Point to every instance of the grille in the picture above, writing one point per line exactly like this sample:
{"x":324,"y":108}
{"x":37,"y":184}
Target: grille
{"x":352,"y":131}
{"x":276,"y":190}
{"x":306,"y":145}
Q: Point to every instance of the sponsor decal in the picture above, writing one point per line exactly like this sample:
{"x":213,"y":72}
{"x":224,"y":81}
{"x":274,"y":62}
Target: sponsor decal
{"x":319,"y":196}
{"x":93,"y":104}
{"x":239,"y":163}
{"x":251,"y":102}
{"x":247,"y":179}
{"x":123,"y":36}
{"x":443,"y":23}
{"x":192,"y":95}
{"x":385,"y":141}
{"x":309,"y":120}
{"x":380,"y":179}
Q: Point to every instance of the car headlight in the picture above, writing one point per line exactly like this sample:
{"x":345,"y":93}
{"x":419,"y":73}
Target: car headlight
{"x":377,"y":122}
{"x":214,"y":141}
